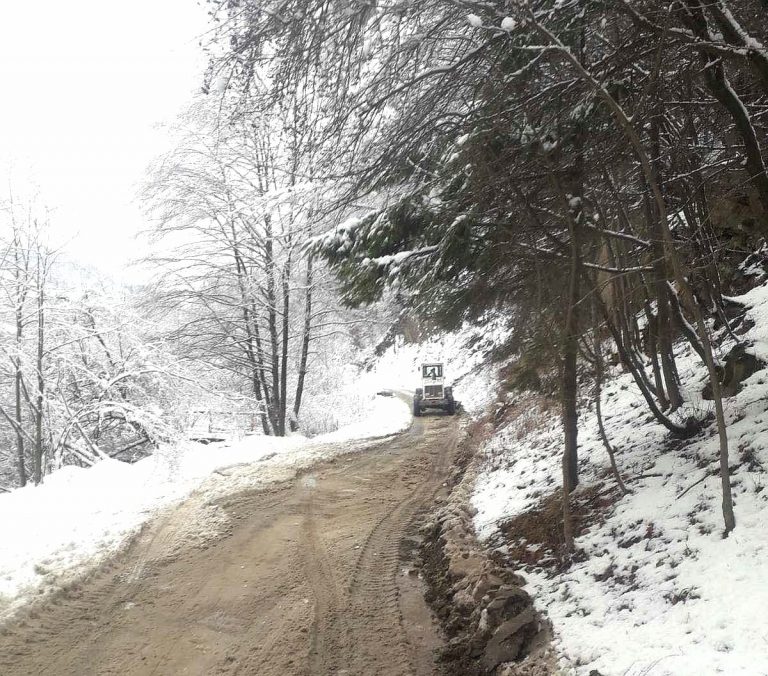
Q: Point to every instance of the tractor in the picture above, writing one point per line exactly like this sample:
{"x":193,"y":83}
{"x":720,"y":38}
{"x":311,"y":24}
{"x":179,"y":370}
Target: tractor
{"x":433,"y":393}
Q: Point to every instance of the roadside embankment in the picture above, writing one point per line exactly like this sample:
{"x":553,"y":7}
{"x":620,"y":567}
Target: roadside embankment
{"x":487,"y":615}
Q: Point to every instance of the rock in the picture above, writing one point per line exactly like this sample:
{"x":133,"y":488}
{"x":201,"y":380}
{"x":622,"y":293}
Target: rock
{"x":482,"y":625}
{"x":509,"y":638}
{"x":463,"y":600}
{"x":513,"y":578}
{"x":462,"y":567}
{"x":732,"y":310}
{"x":461,"y":585}
{"x":476,"y":599}
{"x":428,"y":528}
{"x":747,"y":324}
{"x":507,"y":602}
{"x":738,"y":365}
{"x":485,"y":584}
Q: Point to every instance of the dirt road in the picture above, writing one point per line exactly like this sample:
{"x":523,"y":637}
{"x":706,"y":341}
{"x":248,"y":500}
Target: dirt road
{"x":307,"y":579}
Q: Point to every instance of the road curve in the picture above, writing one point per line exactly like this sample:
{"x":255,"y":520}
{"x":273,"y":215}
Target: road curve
{"x":308,"y":579}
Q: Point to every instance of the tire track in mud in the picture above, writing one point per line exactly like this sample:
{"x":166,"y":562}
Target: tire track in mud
{"x":367,"y":632}
{"x":322,"y":580}
{"x":304,"y":580}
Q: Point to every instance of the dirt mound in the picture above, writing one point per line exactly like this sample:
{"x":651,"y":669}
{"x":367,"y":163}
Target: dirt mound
{"x":488,"y":617}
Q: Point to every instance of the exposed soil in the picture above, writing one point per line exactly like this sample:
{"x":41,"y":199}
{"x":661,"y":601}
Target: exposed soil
{"x":488,"y":618}
{"x":535,"y":537}
{"x":309,"y":578}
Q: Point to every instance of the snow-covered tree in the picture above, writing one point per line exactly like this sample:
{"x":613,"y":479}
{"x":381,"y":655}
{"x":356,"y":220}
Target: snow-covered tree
{"x":235,"y":207}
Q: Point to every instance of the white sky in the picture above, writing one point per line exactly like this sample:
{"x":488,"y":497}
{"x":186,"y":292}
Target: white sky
{"x":86,"y":82}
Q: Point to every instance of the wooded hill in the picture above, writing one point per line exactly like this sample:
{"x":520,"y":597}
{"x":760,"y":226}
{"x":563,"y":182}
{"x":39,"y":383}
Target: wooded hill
{"x":595,"y":170}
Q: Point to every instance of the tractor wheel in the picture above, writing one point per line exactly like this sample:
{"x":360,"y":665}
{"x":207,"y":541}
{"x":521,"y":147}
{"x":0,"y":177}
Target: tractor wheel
{"x":416,"y":408}
{"x":451,"y":408}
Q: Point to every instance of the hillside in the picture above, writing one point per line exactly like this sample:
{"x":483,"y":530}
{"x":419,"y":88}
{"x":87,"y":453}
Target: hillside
{"x":654,"y":585}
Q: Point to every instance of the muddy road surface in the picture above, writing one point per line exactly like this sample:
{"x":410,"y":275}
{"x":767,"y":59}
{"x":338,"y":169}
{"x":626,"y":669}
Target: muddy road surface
{"x":310,"y":577}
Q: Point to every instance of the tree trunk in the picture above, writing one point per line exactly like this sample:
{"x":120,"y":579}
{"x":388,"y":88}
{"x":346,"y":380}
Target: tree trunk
{"x":666,"y":355}
{"x":724,"y":93}
{"x":252,"y":343}
{"x":688,"y":331}
{"x":717,"y":81}
{"x":285,"y":279}
{"x":599,"y":371}
{"x":18,"y":382}
{"x":569,"y":385}
{"x":272,"y":323}
{"x":736,"y":35}
{"x":725,"y":478}
{"x":305,"y":339}
{"x":653,"y":328}
{"x":38,"y":459}
{"x":639,"y":380}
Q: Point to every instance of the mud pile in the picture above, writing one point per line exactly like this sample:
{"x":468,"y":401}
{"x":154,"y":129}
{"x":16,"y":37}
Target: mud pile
{"x":488,"y":617}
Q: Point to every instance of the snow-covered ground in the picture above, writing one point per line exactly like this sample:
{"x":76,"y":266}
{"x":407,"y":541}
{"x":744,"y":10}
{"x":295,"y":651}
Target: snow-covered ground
{"x":80,"y":516}
{"x":659,"y":591}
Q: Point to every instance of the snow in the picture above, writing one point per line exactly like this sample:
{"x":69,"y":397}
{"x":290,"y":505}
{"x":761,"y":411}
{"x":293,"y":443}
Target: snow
{"x":508,"y":24}
{"x":79,"y":516}
{"x":402,"y":256}
{"x":548,"y":145}
{"x":221,"y":84}
{"x":659,"y":591}
{"x":392,"y":416}
{"x":474,"y":21}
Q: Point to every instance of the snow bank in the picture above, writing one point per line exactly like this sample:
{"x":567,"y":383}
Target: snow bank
{"x":392,"y":415}
{"x":659,"y":592}
{"x":80,"y":516}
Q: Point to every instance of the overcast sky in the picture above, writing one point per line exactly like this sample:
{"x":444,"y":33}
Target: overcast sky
{"x":86,"y":84}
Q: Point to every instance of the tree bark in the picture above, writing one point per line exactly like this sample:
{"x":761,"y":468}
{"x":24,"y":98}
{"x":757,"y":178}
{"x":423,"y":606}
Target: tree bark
{"x":667,"y":357}
{"x":20,"y":293}
{"x":724,"y":93}
{"x":736,"y":35}
{"x":39,"y":443}
{"x":251,"y":349}
{"x":717,"y":81}
{"x":569,"y":386}
{"x":272,"y":324}
{"x":653,"y":327}
{"x":640,"y":381}
{"x":599,"y":371}
{"x":18,"y":412}
{"x":285,"y":338}
{"x":626,"y":125}
{"x":305,"y":339}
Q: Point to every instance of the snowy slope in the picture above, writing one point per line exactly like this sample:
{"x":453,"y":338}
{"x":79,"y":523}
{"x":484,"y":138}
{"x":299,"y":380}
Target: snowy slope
{"x":80,"y":516}
{"x":657,"y":591}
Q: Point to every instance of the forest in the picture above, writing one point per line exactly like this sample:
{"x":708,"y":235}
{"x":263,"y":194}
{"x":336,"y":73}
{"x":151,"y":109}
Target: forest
{"x":237,"y":311}
{"x":593,"y":170}
{"x":563,"y":201}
